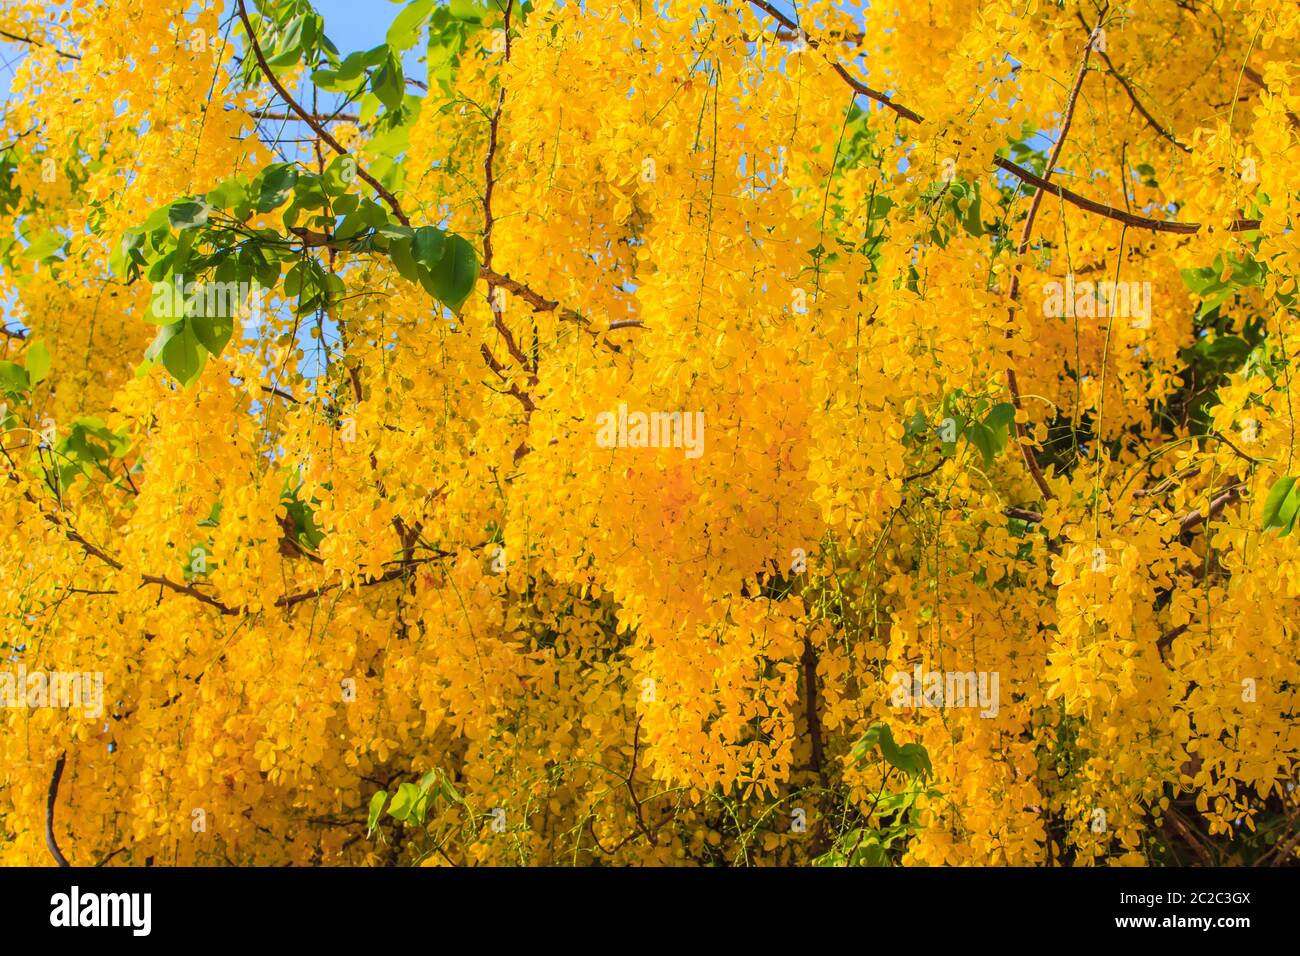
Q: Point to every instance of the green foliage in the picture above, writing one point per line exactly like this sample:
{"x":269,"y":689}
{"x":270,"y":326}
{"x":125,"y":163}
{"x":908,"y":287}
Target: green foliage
{"x":1281,"y":506}
{"x":86,"y":449}
{"x":912,"y":759}
{"x":869,"y":845}
{"x":301,"y":518}
{"x":196,"y":241}
{"x":411,"y":803}
{"x":1217,"y":283}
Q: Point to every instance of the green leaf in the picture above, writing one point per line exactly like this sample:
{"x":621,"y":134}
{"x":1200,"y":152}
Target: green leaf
{"x":340,"y":174}
{"x":1287,"y":514}
{"x":353,"y":224}
{"x":869,"y":853}
{"x":450,"y":790}
{"x":1277,"y":500}
{"x":277,"y":183}
{"x":971,"y":221}
{"x":388,"y":83}
{"x":300,"y":514}
{"x":182,"y":353}
{"x":392,"y":230}
{"x":1001,"y":416}
{"x":309,"y":192}
{"x":916,"y":425}
{"x":911,"y":758}
{"x":469,"y":10}
{"x":37,"y":361}
{"x":13,"y":378}
{"x":290,"y":46}
{"x":158,"y":219}
{"x":228,"y":195}
{"x":213,"y":520}
{"x":213,"y":331}
{"x":399,"y":250}
{"x":351,"y":70}
{"x":407,"y":803}
{"x":45,"y":245}
{"x":376,"y":808}
{"x":452,"y":279}
{"x":983,"y":438}
{"x":128,"y":253}
{"x":429,"y":245}
{"x":187,"y":214}
{"x":406,"y":26}
{"x":429,"y":779}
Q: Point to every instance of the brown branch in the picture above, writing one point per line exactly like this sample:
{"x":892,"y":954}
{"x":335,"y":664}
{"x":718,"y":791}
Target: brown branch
{"x":280,"y":394}
{"x":1024,"y":514}
{"x":539,"y":303}
{"x":1132,"y":95}
{"x":511,"y":388}
{"x":925,"y":474}
{"x":75,"y":536}
{"x":1282,"y":852}
{"x":1189,"y":835}
{"x":1167,"y":483}
{"x":41,"y":43}
{"x":50,"y":798}
{"x":1194,"y":519}
{"x":1089,"y":205}
{"x":856,"y":84}
{"x":384,"y":194}
{"x":404,"y":568}
{"x":1167,"y":638}
{"x":848,"y":37}
{"x":1110,"y":212}
{"x":631,"y":790}
{"x":813,"y":716}
{"x":311,"y":121}
{"x":489,"y":179}
{"x":809,"y":661}
{"x":191,"y":591}
{"x":318,"y":117}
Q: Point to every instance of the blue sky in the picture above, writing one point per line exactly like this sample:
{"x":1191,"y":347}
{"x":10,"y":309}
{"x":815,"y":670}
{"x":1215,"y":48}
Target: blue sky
{"x":357,"y":24}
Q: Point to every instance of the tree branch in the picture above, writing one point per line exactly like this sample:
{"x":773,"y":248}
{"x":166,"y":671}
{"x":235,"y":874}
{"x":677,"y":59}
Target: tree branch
{"x":1013,"y":385}
{"x":1089,"y":205}
{"x":1110,"y":212}
{"x":1194,"y":519}
{"x":50,"y":798}
{"x":856,"y":84}
{"x":311,"y":120}
{"x":15,"y":37}
{"x":1132,"y":95}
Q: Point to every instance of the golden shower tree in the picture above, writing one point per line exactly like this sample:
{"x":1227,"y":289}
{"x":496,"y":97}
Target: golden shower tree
{"x":728,"y":432}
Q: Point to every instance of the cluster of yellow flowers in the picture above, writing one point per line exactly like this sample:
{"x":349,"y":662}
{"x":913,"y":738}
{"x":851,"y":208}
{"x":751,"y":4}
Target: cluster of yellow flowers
{"x":981,"y":316}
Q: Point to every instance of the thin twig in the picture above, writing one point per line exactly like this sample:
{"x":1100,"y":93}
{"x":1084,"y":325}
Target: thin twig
{"x":1132,"y":95}
{"x":1013,"y":385}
